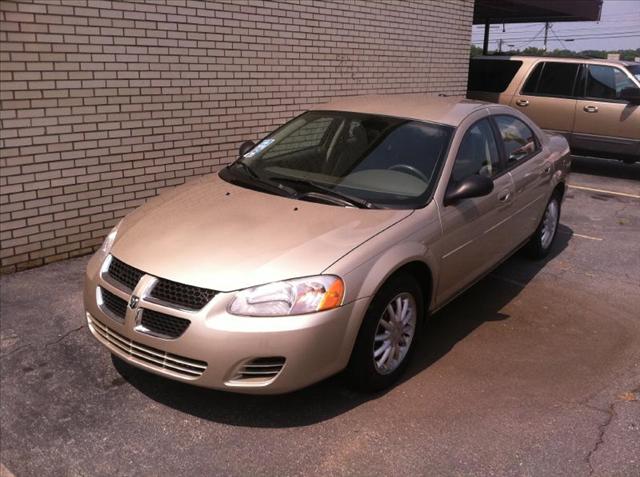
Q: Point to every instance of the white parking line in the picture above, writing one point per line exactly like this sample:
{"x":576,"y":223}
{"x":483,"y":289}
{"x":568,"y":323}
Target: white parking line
{"x":4,"y":472}
{"x":587,"y":237}
{"x":573,"y":234}
{"x":611,"y":192}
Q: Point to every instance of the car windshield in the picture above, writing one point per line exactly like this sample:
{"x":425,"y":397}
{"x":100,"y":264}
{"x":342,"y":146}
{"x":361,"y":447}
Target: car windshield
{"x":350,"y":159}
{"x":634,"y":70}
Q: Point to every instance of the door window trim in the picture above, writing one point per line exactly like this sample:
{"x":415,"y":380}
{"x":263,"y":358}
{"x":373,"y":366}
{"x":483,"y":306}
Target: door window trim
{"x":496,"y":138}
{"x":501,"y":145}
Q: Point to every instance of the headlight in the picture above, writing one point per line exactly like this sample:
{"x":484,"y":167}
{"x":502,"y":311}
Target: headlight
{"x":105,"y":248}
{"x":290,"y":297}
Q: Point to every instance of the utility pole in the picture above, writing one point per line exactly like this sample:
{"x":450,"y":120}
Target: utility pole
{"x":485,"y":43}
{"x":546,"y":32}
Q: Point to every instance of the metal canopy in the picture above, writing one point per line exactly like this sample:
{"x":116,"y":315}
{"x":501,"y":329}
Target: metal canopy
{"x":532,"y":11}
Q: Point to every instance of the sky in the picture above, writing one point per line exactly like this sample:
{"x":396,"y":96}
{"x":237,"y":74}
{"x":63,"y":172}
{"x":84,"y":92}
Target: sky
{"x":618,"y":28}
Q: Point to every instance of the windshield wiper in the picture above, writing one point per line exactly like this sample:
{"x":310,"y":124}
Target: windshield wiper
{"x":264,"y":182}
{"x":346,"y":198}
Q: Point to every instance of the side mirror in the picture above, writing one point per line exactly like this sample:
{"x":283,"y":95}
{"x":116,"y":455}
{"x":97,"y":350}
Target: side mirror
{"x":246,"y":147}
{"x":631,"y":94}
{"x":472,"y":186}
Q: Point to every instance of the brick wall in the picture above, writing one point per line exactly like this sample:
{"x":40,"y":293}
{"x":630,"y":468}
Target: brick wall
{"x":105,"y":104}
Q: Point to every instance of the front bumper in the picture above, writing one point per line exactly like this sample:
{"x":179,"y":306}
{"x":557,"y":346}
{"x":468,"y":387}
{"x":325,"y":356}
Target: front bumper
{"x":216,"y":347}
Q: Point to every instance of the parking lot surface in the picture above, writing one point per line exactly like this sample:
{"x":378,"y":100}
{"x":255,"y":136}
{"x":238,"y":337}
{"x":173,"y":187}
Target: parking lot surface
{"x":533,"y":371}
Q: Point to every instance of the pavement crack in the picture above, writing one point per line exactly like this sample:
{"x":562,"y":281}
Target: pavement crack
{"x":64,"y":336}
{"x":46,"y":345}
{"x":602,"y":429}
{"x":15,"y":350}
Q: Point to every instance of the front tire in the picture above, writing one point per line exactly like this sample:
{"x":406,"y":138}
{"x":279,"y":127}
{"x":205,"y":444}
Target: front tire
{"x":541,"y":241}
{"x":387,"y":336}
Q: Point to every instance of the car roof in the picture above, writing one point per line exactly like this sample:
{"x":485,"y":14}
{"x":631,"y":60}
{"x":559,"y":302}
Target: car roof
{"x":423,"y":107}
{"x":602,"y":61}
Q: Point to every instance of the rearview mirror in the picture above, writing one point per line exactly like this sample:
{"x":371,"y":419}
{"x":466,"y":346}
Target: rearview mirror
{"x":246,"y":147}
{"x":631,"y":94}
{"x":472,"y":186}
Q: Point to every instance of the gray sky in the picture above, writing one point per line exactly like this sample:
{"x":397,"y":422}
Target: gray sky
{"x":618,"y":28}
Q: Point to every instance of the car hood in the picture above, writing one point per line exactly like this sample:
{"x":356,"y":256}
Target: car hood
{"x":220,"y":236}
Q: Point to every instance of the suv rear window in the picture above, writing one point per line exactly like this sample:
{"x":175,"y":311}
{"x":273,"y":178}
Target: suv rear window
{"x":492,"y":76}
{"x":552,"y":79}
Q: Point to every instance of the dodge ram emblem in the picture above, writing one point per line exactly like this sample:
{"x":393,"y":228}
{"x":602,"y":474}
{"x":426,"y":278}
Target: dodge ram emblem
{"x":133,"y":302}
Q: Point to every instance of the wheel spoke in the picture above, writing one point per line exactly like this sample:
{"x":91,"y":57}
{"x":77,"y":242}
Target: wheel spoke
{"x":399,"y":308}
{"x":407,"y":318}
{"x":386,"y":345}
{"x":386,"y":325}
{"x":382,"y":336}
{"x":391,"y":312}
{"x":385,"y":356}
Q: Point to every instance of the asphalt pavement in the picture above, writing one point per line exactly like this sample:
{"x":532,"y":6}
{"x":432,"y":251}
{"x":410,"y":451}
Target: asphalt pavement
{"x":533,"y":371}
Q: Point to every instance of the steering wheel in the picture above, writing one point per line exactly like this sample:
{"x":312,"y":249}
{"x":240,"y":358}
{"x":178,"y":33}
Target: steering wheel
{"x":411,"y":170}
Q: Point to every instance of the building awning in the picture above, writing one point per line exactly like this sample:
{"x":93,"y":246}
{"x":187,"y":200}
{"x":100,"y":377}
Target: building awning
{"x":532,"y":11}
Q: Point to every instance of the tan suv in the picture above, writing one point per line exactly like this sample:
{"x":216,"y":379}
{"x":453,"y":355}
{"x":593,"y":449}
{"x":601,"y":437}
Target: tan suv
{"x":594,"y":103}
{"x":325,"y":246}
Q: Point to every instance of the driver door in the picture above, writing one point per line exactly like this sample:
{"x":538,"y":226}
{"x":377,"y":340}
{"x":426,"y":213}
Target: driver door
{"x":476,"y":233}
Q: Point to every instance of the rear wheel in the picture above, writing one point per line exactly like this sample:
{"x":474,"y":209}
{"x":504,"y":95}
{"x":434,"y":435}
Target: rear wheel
{"x":387,"y":335}
{"x":541,"y":241}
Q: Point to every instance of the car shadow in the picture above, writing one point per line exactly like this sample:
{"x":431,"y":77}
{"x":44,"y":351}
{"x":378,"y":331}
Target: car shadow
{"x":612,"y":168}
{"x":332,"y":396}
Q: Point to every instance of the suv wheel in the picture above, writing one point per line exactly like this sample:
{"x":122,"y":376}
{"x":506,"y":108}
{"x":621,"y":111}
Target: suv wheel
{"x":541,"y":241}
{"x":387,"y":336}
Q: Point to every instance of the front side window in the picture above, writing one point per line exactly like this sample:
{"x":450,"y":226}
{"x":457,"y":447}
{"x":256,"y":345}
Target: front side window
{"x":478,"y":153}
{"x":385,"y":161}
{"x":606,"y":82}
{"x":518,"y":138}
{"x":552,"y":79}
{"x":634,"y":70}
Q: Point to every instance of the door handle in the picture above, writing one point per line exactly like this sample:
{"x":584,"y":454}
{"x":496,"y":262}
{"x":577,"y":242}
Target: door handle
{"x":504,"y":196}
{"x":546,"y":170}
{"x":522,"y":102}
{"x":590,"y":109}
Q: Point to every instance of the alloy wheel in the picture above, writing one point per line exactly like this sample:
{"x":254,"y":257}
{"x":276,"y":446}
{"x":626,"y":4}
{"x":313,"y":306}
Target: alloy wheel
{"x":394,"y":333}
{"x":549,"y":224}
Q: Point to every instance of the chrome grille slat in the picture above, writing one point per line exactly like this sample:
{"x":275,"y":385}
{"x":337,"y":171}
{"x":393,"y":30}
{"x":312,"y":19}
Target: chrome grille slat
{"x":256,"y":372}
{"x":259,"y":370}
{"x":158,"y":359}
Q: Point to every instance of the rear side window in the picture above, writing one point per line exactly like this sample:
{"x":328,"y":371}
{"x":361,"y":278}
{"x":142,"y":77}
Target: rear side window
{"x":478,"y":153}
{"x":518,"y":138}
{"x":552,"y":79}
{"x":492,"y":76}
{"x":606,"y":82}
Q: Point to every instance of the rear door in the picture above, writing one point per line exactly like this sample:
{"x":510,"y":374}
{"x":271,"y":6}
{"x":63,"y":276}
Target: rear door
{"x":476,"y":231}
{"x":604,"y":122}
{"x":530,"y":170}
{"x":547,"y":96}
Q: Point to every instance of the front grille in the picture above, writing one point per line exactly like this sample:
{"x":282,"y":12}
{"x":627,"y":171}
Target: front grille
{"x":160,"y":360}
{"x":113,"y":303}
{"x":259,"y":370}
{"x":123,"y":273}
{"x":164,"y":325}
{"x":186,"y":296}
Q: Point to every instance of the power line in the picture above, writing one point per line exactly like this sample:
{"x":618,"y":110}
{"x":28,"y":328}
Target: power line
{"x":584,"y":36}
